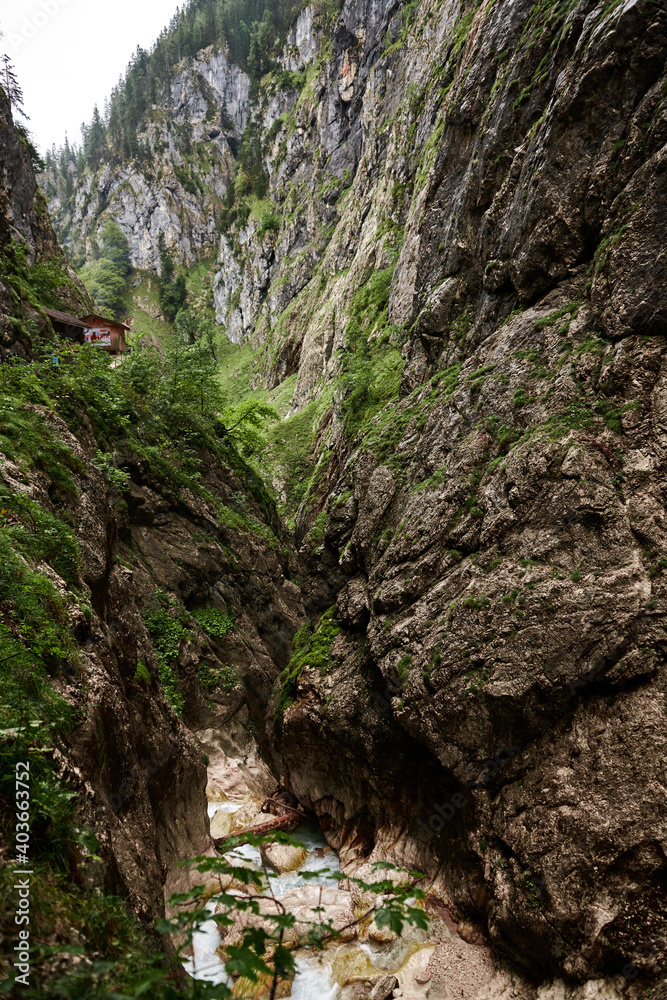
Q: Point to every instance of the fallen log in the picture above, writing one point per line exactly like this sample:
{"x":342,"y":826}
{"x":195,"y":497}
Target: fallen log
{"x":288,"y":822}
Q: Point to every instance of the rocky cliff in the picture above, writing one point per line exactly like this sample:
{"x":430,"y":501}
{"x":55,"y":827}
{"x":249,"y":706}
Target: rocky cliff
{"x":177,"y":186}
{"x":495,"y":694}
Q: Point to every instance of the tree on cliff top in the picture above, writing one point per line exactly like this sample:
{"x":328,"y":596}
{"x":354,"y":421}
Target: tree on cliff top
{"x":10,"y":84}
{"x":116,"y":247}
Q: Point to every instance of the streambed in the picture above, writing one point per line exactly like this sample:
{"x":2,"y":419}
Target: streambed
{"x":313,"y":980}
{"x":348,"y":967}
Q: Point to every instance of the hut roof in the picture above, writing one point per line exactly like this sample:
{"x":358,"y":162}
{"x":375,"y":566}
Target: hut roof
{"x":61,"y":317}
{"x":108,"y":322}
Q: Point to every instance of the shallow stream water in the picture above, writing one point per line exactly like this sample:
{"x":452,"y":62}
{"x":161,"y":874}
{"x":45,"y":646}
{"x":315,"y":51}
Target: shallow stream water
{"x":313,"y":980}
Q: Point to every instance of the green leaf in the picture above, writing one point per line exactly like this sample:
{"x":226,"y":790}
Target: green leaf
{"x":390,"y":918}
{"x":256,"y":938}
{"x":284,"y":962}
{"x":242,"y":961}
{"x":417,"y":917}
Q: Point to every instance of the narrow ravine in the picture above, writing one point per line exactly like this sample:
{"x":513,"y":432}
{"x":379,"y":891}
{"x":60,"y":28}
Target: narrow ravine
{"x":226,"y":775}
{"x":365,"y":959}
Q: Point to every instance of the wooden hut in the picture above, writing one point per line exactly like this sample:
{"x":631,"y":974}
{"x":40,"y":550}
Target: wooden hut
{"x":109,"y":334}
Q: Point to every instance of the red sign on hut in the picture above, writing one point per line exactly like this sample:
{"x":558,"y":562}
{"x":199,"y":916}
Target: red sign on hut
{"x":94,"y":335}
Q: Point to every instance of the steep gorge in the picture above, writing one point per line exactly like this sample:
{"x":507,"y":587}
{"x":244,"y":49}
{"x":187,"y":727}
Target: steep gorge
{"x":461,"y":259}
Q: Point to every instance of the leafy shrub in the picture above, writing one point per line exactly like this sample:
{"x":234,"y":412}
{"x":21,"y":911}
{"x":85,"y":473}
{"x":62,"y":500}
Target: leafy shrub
{"x":167,"y":633}
{"x":476,"y":601}
{"x":212,"y":679}
{"x":309,"y":648}
{"x":170,"y":685}
{"x":117,"y":478}
{"x":315,"y":650}
{"x":39,"y":535}
{"x":36,"y":612}
{"x":43,"y":284}
{"x":141,"y":675}
{"x":26,"y":438}
{"x":270,"y":223}
{"x":213,"y":621}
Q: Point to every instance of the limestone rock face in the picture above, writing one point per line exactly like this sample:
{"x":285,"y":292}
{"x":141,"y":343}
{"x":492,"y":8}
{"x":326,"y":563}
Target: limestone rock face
{"x":229,"y":85}
{"x":502,"y":716}
{"x":209,"y":95}
{"x":493,"y":711}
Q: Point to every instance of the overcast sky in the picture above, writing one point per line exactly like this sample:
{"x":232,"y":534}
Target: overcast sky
{"x":68,"y":54}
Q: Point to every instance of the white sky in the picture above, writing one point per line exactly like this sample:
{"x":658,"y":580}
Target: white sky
{"x":68,"y":54}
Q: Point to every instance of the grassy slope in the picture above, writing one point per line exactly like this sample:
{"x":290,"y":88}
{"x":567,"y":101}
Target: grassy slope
{"x":143,"y":305}
{"x":141,"y":301}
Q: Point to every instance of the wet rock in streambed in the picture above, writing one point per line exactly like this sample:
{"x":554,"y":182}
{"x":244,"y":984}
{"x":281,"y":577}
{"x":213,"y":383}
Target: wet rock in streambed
{"x":384,"y":988}
{"x":303,"y":903}
{"x":221,"y":824}
{"x":283,"y":857}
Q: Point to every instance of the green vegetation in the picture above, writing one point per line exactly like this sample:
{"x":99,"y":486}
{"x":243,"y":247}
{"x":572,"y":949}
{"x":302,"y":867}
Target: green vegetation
{"x":309,"y":648}
{"x":261,"y":956}
{"x":289,"y":457}
{"x":316,"y":533}
{"x":570,"y":311}
{"x":167,"y":632}
{"x":172,"y":286}
{"x":213,"y":622}
{"x":403,"y":669}
{"x":164,"y":408}
{"x":169,"y":626}
{"x":44,"y":284}
{"x":476,"y":601}
{"x":105,"y":276}
{"x":98,"y":950}
{"x":477,"y":680}
{"x":389,"y":426}
{"x":521,"y":398}
{"x":314,"y":648}
{"x":407,"y":15}
{"x":244,"y":425}
{"x":212,"y":679}
{"x":292,"y":452}
{"x":370,"y":370}
{"x":142,"y":302}
{"x":38,"y":652}
{"x":141,"y":674}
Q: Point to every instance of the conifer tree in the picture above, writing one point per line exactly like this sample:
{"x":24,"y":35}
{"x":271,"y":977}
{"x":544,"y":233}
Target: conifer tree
{"x":11,"y":85}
